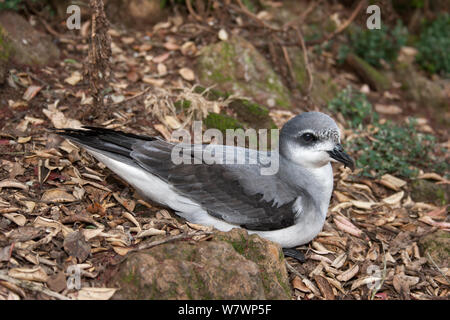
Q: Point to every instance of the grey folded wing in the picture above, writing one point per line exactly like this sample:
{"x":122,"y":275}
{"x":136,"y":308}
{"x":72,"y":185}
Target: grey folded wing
{"x":235,"y":193}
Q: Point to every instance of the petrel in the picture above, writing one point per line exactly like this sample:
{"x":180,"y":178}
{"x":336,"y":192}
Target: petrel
{"x":288,"y":206}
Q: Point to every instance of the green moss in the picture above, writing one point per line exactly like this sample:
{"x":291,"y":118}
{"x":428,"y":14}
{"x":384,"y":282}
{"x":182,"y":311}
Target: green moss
{"x":286,"y":287}
{"x":437,"y":246}
{"x":131,"y":278}
{"x":236,"y":66}
{"x":427,"y":191}
{"x":5,"y":47}
{"x":222,"y":122}
{"x":182,"y":104}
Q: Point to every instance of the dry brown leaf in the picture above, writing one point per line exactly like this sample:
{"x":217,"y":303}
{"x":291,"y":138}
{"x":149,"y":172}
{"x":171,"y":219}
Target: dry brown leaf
{"x":24,"y":139}
{"x":121,"y":250}
{"x":153,"y":81}
{"x":188,"y":48}
{"x":403,"y":283}
{"x":162,"y":69}
{"x":298,"y":284}
{"x":58,"y":118}
{"x":388,"y":109}
{"x":34,"y":274}
{"x":438,"y":214}
{"x":150,"y":232}
{"x":126,"y":203}
{"x":339,"y":261}
{"x":74,"y":78}
{"x":161,"y":58}
{"x":345,"y":225}
{"x":127,"y":40}
{"x":95,"y":293}
{"x":164,"y":132}
{"x":371,"y":280}
{"x":394,"y":199}
{"x":57,"y":195}
{"x":432,"y":176}
{"x":431,"y":222}
{"x":187,"y":74}
{"x":18,"y":219}
{"x":172,"y":122}
{"x":363,"y":204}
{"x":11,"y":183}
{"x":311,"y":287}
{"x":31,"y":92}
{"x":324,"y":287}
{"x":349,"y":273}
{"x":171,"y":46}
{"x":392,"y":182}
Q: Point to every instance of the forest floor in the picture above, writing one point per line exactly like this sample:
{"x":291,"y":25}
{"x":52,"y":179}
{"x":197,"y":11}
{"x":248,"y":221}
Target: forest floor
{"x":372,"y":244}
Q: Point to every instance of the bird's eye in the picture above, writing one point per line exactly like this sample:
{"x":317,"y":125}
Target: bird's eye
{"x":308,"y":137}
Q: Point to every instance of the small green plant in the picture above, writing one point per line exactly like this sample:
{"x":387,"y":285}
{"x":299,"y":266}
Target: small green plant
{"x":354,"y":106}
{"x":16,"y":5}
{"x":395,"y":149}
{"x":375,"y":45}
{"x":434,"y":46}
{"x":385,"y":147}
{"x":11,"y":4}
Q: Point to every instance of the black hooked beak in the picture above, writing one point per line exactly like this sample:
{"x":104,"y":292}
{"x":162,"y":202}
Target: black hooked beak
{"x":339,"y":154}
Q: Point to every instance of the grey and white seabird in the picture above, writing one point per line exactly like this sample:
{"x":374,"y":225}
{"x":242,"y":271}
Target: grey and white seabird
{"x":288,"y":207}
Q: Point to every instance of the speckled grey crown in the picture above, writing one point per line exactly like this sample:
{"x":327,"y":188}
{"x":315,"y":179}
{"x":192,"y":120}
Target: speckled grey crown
{"x":318,"y":122}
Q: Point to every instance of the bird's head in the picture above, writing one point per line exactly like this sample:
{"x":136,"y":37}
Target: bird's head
{"x":312,"y":140}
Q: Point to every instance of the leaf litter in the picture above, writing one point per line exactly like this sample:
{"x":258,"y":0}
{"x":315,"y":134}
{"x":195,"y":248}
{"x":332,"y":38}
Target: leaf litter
{"x":59,"y":207}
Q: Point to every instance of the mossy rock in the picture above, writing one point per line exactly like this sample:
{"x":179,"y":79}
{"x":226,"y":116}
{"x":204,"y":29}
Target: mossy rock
{"x":427,"y":191}
{"x":267,"y":255}
{"x":324,"y":89}
{"x":222,"y":122}
{"x":437,"y":246}
{"x":5,"y":52}
{"x":26,"y":45}
{"x":205,"y":270}
{"x":247,"y":115}
{"x":236,"y":66}
{"x":419,"y":88}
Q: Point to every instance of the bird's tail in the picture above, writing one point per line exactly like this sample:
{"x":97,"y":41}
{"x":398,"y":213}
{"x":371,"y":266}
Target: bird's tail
{"x":103,"y":140}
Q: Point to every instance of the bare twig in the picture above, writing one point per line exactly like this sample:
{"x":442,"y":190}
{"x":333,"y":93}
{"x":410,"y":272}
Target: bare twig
{"x":33,"y":286}
{"x":192,"y":12}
